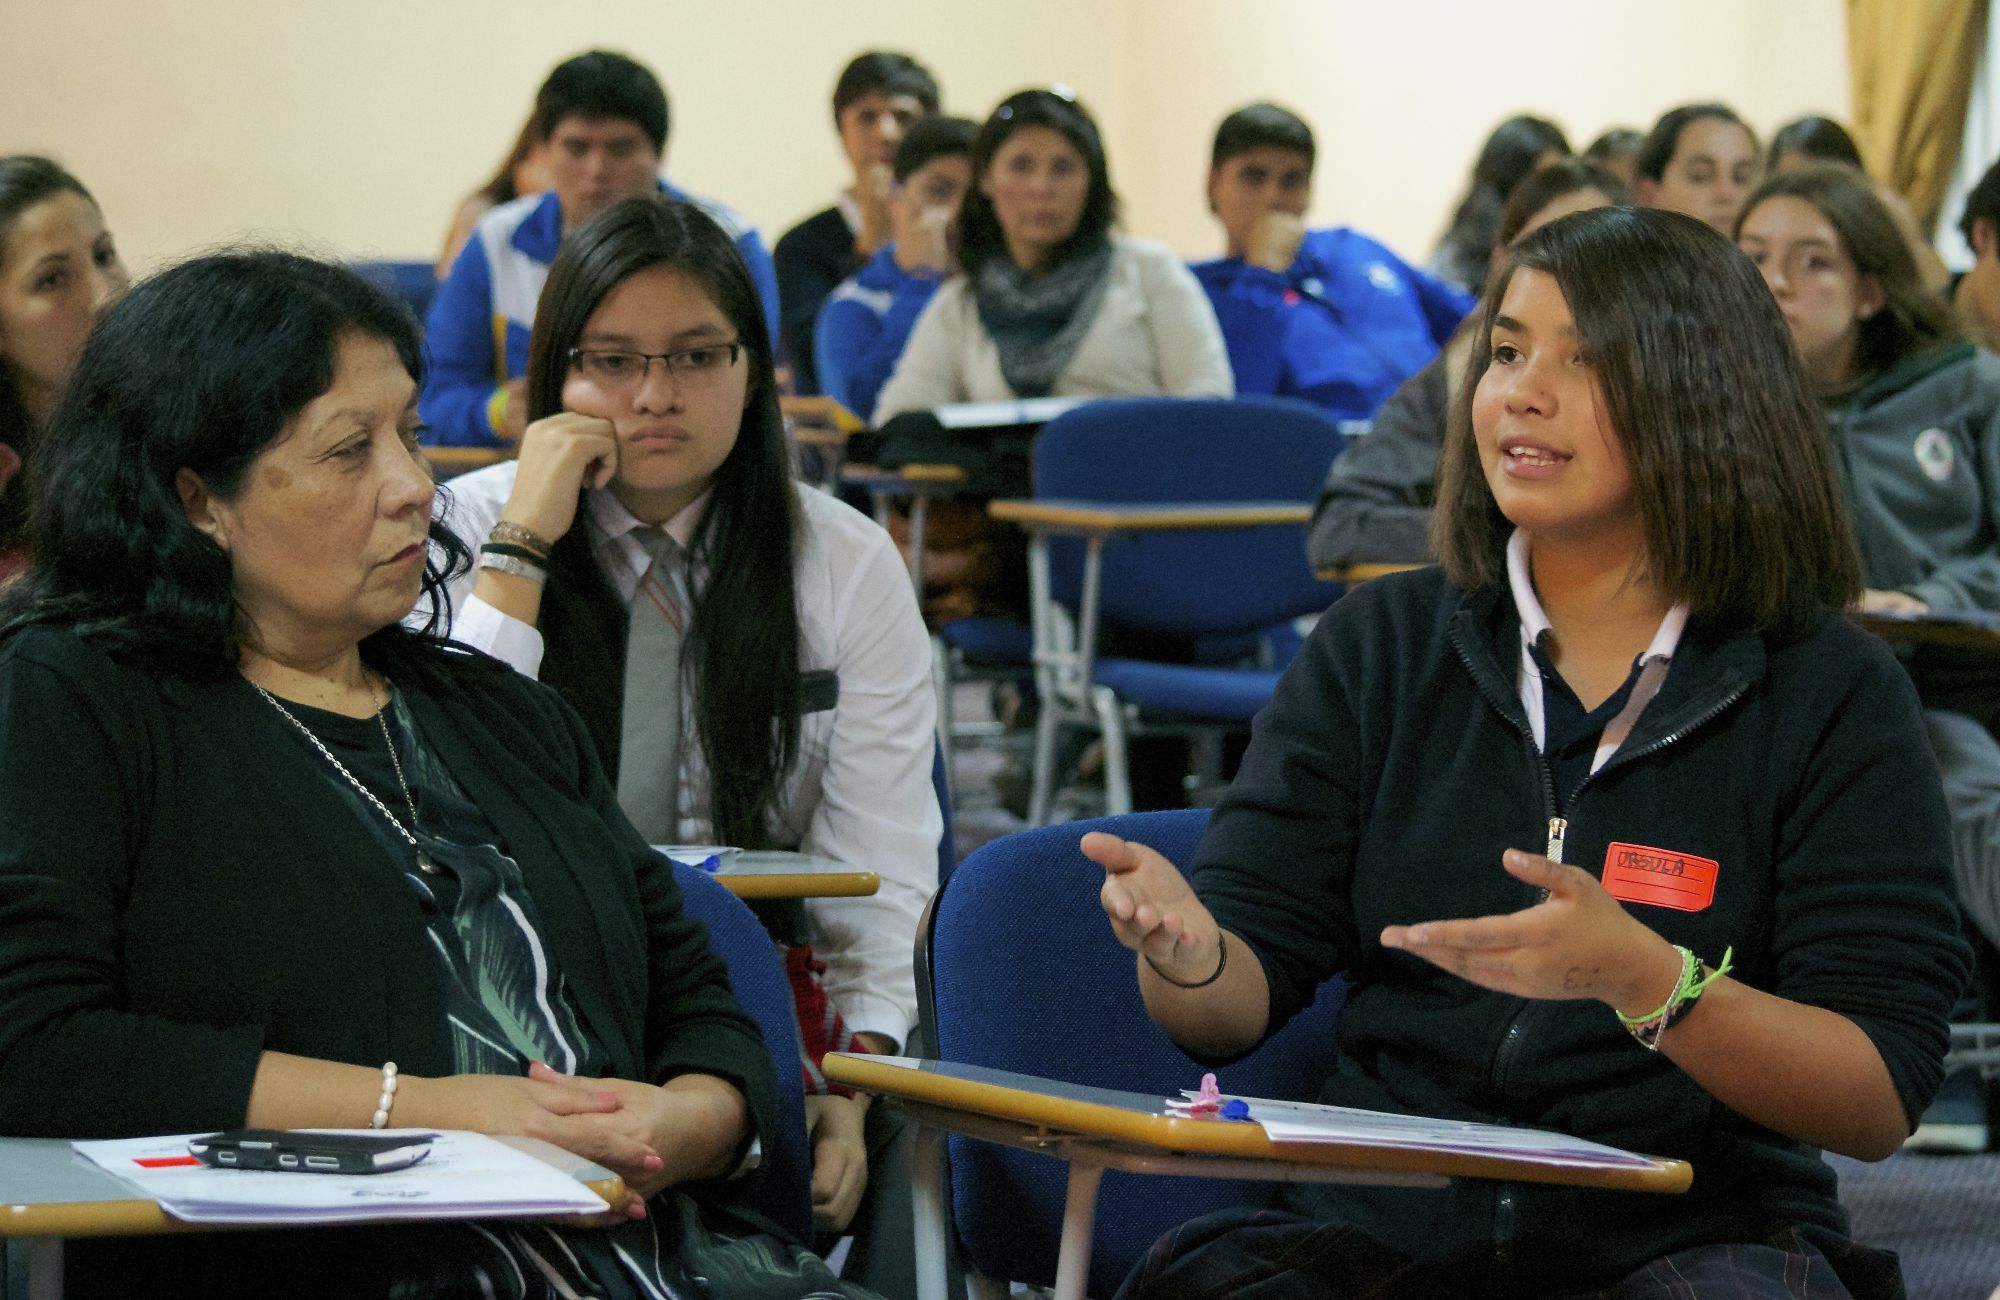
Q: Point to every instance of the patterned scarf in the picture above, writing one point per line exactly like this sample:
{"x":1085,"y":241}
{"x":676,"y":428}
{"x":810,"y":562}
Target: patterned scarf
{"x":1037,"y":321}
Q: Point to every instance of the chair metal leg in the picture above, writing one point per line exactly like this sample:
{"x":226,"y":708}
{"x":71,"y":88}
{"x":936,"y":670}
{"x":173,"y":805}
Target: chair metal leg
{"x":1043,"y":790}
{"x":45,"y":1268}
{"x":930,"y":1215}
{"x":1079,"y":1220}
{"x":1117,"y":761}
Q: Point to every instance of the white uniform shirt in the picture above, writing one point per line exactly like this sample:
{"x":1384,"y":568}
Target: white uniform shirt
{"x":861,"y":790}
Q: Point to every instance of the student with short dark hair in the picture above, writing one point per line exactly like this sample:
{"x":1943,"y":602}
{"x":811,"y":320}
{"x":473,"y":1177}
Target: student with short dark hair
{"x":1515,"y":149}
{"x":604,"y":118}
{"x":1330,"y":316}
{"x":1700,"y":160}
{"x":1636,"y":648}
{"x":878,"y":99}
{"x":866,"y":322}
{"x":1050,"y":302}
{"x":1616,"y":150}
{"x":1810,"y":140}
{"x":1376,"y":505}
{"x":1977,"y":294}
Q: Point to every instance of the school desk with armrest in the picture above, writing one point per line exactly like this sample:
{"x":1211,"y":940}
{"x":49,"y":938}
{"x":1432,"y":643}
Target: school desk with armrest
{"x":1046,"y":1048}
{"x":819,"y":428}
{"x":1223,"y":589}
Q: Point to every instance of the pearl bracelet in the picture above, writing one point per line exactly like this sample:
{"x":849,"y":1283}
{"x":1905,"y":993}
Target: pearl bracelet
{"x":388,"y":1097}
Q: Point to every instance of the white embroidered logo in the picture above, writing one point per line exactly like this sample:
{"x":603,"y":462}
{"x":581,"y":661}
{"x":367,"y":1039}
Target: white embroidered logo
{"x":1934,"y":455}
{"x":1383,"y":278}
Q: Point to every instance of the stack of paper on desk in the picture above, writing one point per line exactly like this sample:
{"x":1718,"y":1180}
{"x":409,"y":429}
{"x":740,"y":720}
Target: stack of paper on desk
{"x":1298,"y":1121}
{"x":466,"y":1175}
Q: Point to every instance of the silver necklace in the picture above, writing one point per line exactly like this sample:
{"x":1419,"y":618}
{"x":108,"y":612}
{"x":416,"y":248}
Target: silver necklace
{"x":424,"y":863}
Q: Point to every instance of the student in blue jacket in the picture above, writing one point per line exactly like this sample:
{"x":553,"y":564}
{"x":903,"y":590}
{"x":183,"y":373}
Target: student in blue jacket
{"x":1330,"y":315}
{"x":605,"y":120}
{"x":1593,"y":821}
{"x":867,"y":320}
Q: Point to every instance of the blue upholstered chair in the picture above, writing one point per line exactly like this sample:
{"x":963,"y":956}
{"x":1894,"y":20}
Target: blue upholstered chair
{"x":758,"y":977}
{"x":1019,"y":970}
{"x":1218,"y":588}
{"x":414,"y":282}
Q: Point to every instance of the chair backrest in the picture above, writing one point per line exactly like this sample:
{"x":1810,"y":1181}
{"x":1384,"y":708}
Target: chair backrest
{"x":739,"y":938}
{"x":415,"y":283}
{"x":1168,"y":449}
{"x":1024,"y":975}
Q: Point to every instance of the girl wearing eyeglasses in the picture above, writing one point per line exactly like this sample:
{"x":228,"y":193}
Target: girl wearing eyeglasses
{"x":745,"y":651}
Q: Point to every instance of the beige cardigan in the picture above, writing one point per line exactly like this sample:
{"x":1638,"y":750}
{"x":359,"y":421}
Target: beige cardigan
{"x":1154,"y":334}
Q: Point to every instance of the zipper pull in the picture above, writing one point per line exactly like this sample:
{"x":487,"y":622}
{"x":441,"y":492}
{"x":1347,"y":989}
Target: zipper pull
{"x":1558,"y":827}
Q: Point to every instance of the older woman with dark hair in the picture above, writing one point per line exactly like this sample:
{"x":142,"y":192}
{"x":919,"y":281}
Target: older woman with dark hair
{"x":1051,"y":302}
{"x":264,"y":850}
{"x":1590,"y":818}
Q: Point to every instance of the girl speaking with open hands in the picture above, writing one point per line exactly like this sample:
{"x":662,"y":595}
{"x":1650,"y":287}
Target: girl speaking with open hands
{"x":1593,"y":818}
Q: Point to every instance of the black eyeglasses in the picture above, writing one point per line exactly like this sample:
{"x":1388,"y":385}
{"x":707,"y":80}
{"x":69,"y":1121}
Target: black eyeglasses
{"x":689,"y":366}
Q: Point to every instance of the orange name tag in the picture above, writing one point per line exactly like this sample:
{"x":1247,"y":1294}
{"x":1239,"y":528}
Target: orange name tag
{"x":1634,"y":873}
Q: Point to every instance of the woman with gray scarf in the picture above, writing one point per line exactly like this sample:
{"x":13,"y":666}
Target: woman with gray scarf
{"x":1051,"y":303}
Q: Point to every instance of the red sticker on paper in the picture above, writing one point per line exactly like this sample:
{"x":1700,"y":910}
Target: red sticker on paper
{"x":1634,"y":873}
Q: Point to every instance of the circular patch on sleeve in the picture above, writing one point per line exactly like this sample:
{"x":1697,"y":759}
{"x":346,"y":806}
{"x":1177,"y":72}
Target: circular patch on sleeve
{"x":1383,"y":278}
{"x":1934,"y":454}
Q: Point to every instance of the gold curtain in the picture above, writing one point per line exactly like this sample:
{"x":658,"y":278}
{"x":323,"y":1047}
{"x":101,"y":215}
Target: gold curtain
{"x":1910,"y":65}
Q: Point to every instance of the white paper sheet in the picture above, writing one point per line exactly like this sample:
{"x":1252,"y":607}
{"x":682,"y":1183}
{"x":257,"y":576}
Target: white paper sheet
{"x":466,"y":1175}
{"x":1298,"y":1121}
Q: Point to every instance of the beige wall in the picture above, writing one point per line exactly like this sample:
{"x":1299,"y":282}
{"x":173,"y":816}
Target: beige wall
{"x":357,"y":125}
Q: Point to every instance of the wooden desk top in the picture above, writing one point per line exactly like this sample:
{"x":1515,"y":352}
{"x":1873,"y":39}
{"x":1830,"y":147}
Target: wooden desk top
{"x":1105,"y":517}
{"x":903,"y":479}
{"x":1355,"y":574}
{"x":1971,"y":630}
{"x":777,"y":874}
{"x":448,"y":462}
{"x":1133,"y":1119}
{"x":819,"y":420}
{"x":777,"y":882}
{"x":47,"y":1190}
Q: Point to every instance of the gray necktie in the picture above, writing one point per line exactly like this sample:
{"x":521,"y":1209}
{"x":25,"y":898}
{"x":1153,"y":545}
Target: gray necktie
{"x":649,"y":778}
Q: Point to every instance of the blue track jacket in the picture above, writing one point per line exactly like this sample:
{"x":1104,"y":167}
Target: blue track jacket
{"x":863,"y":327}
{"x":1346,"y":324}
{"x":478,"y":325}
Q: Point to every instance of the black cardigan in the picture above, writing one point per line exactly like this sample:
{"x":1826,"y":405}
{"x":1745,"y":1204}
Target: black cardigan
{"x":181,"y":889}
{"x":1392,"y":768}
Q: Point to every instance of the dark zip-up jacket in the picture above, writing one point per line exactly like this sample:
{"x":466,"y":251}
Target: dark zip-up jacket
{"x":1395,"y":764}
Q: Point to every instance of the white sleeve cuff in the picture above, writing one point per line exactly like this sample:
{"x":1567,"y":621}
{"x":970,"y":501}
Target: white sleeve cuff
{"x":506,"y":638}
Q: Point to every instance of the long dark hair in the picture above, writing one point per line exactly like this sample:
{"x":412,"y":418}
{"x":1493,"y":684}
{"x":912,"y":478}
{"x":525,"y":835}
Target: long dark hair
{"x":1818,"y":138}
{"x":1507,"y":158}
{"x":200,"y":368}
{"x":743,"y":636}
{"x":1731,"y":471}
{"x":499,"y":187}
{"x":979,"y":229}
{"x":25,"y":180}
{"x":1912,"y":319}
